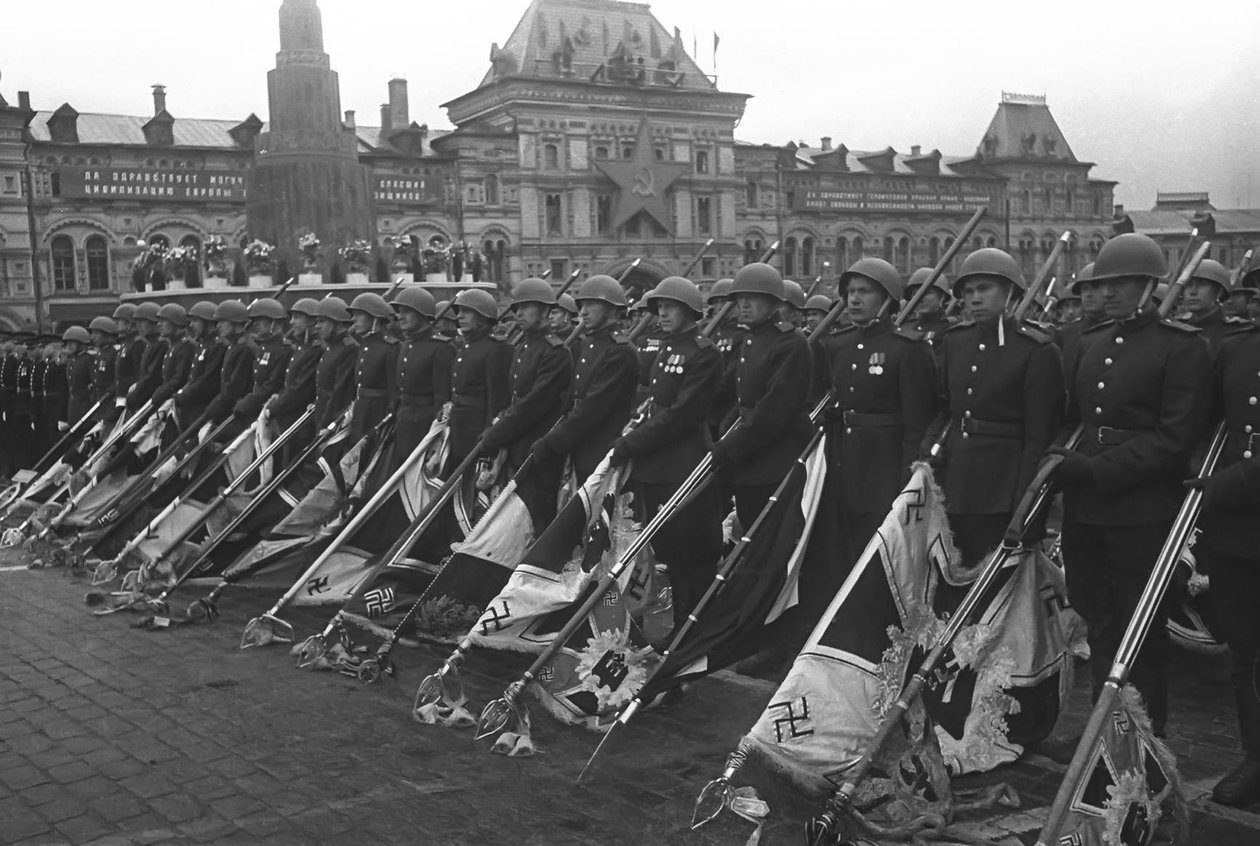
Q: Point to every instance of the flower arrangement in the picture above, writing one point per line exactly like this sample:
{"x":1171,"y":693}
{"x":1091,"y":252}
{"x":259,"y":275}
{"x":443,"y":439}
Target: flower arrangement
{"x":258,"y":254}
{"x":215,"y":248}
{"x":358,"y":253}
{"x":178,"y":260}
{"x":150,"y":255}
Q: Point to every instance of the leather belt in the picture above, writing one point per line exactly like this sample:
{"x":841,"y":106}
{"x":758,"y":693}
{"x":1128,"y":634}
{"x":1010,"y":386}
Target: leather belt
{"x":373,"y":393}
{"x":991,"y":428}
{"x":405,"y":397}
{"x":475,"y":395}
{"x":1251,"y":443}
{"x":1111,"y":436}
{"x":857,"y":418}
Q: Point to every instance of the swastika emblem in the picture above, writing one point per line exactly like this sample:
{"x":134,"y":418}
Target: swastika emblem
{"x":1073,"y":839}
{"x":636,"y":589}
{"x":492,"y":617}
{"x":786,"y":725}
{"x":546,"y":674}
{"x":1121,"y":719}
{"x":315,"y":586}
{"x":379,"y":601}
{"x":916,"y":501}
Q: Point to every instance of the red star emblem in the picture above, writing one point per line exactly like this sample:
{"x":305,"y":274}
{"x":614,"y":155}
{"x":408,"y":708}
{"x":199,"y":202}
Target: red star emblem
{"x":642,"y":180}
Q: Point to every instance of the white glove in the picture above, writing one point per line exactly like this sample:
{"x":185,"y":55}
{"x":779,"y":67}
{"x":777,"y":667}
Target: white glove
{"x":445,"y":414}
{"x":63,"y":426}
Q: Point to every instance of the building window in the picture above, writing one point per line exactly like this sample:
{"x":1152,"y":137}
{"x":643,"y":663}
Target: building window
{"x":934,"y":250}
{"x":627,"y":150}
{"x":603,"y":214}
{"x":54,"y":180}
{"x":63,"y":263}
{"x":888,"y":250}
{"x":601,"y":152}
{"x":559,"y":269}
{"x":702,"y":161}
{"x":551,"y":157}
{"x":492,"y":190}
{"x":903,"y":255}
{"x":807,"y":257}
{"x":750,"y":194}
{"x":10,"y":184}
{"x":704,"y":215}
{"x":1098,"y":205}
{"x":660,"y":154}
{"x":1025,"y":206}
{"x":859,"y":248}
{"x":708,"y":266}
{"x":789,"y":257}
{"x":1049,"y":200}
{"x":97,"y":263}
{"x":789,"y":199}
{"x":753,"y":250}
{"x":1069,"y":205}
{"x":842,"y":255}
{"x":496,"y":253}
{"x":554,"y":215}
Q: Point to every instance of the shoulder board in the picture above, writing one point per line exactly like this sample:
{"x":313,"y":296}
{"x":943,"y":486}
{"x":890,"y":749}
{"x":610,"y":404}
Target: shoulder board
{"x":440,"y":337}
{"x":1237,"y":322}
{"x":908,"y":334}
{"x":962,"y":324}
{"x":554,"y":341}
{"x":1035,"y":333}
{"x":785,"y":327}
{"x":704,"y":343}
{"x":1097,"y":327}
{"x":840,"y":330}
{"x":618,"y":338}
{"x":1181,"y":327}
{"x":1243,"y":327}
{"x":350,"y":341}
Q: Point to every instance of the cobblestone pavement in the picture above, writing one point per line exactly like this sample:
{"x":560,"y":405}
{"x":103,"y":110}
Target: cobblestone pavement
{"x":114,"y":735}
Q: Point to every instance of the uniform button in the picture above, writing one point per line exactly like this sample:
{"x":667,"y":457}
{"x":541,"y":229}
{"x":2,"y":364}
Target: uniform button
{"x":1247,"y":428}
{"x":1101,"y":385}
{"x":982,"y":348}
{"x":853,"y":367}
{"x":970,"y":391}
{"x":850,"y":432}
{"x":966,"y":434}
{"x":1251,"y":401}
{"x":861,"y":346}
{"x":966,"y":414}
{"x":974,"y":368}
{"x":1106,"y":361}
{"x":1119,"y":339}
{"x":1247,"y":453}
{"x":850,"y":389}
{"x":582,"y":361}
{"x":1098,"y":409}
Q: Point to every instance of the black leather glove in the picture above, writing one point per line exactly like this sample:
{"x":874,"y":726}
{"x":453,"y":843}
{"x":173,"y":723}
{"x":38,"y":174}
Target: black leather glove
{"x":619,"y":457}
{"x":1074,"y":470}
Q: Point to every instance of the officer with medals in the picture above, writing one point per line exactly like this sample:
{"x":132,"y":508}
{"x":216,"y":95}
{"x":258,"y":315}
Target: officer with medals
{"x":376,"y":368}
{"x":267,"y":319}
{"x":297,"y":389}
{"x":539,"y":380}
{"x":1141,"y":392}
{"x":1001,"y":394}
{"x":480,"y":386}
{"x":424,"y":369}
{"x":604,"y":383}
{"x":207,"y":365}
{"x":930,"y":320}
{"x":673,"y":439}
{"x":180,"y":351}
{"x":76,"y":341}
{"x":1201,"y":300}
{"x":149,"y":372}
{"x":130,"y":351}
{"x":104,"y":334}
{"x":236,"y":375}
{"x":727,"y":335}
{"x":334,"y":374}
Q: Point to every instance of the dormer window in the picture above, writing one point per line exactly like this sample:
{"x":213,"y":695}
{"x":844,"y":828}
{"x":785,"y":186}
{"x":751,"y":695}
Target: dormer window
{"x":1050,"y":145}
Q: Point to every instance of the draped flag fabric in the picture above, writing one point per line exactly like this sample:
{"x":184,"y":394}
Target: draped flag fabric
{"x":828,"y":708}
{"x":760,"y":588}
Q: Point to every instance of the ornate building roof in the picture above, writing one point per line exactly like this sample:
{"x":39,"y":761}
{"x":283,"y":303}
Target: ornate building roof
{"x":1023,"y":129}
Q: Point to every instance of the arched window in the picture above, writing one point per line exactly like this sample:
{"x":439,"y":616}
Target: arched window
{"x":62,"y":249}
{"x":889,"y":250}
{"x":495,"y":252}
{"x":160,"y":239}
{"x":492,"y":190}
{"x":991,"y":242}
{"x":934,"y":250}
{"x":192,"y":270}
{"x":842,"y":255}
{"x":789,"y":257}
{"x":807,"y":257}
{"x":903,"y":255}
{"x":97,"y":263}
{"x":551,"y":157}
{"x":859,"y":249}
{"x":702,"y":161}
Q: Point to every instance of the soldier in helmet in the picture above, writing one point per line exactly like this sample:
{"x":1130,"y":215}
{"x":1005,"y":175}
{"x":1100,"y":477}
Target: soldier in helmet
{"x":446,"y":326}
{"x":816,"y":308}
{"x":22,"y":438}
{"x":539,"y":380}
{"x":334,"y":375}
{"x":479,"y":379}
{"x":793,"y":302}
{"x":130,"y":351}
{"x":673,"y":439}
{"x":297,"y":390}
{"x":424,"y":369}
{"x":376,"y":368}
{"x":1001,"y":394}
{"x":8,"y":391}
{"x":76,"y":342}
{"x":1202,"y":298}
{"x":564,"y":316}
{"x":267,"y":319}
{"x":770,"y":383}
{"x":930,"y":320}
{"x":207,"y":364}
{"x":1230,"y":545}
{"x":1140,"y":390}
{"x":1242,"y":294}
{"x":1074,"y":334}
{"x":104,"y":336}
{"x":727,"y":335}
{"x":180,"y":351}
{"x":149,"y":373}
{"x":51,"y":386}
{"x":236,"y":374}
{"x":604,"y":383}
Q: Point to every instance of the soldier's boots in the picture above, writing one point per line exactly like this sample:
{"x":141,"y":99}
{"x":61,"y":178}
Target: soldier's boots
{"x":1242,"y":786}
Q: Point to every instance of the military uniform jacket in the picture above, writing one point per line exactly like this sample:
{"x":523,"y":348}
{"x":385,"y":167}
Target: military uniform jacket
{"x":271,"y":358}
{"x":671,"y":442}
{"x":298,"y":387}
{"x":1142,"y":390}
{"x":8,"y":384}
{"x":150,"y":373}
{"x":376,"y":390}
{"x":479,"y":390}
{"x":727,"y":338}
{"x":78,"y":387}
{"x":176,"y":366}
{"x":127,"y":365}
{"x":203,"y":379}
{"x":1006,"y":402}
{"x":604,"y":386}
{"x":770,"y":377}
{"x":236,"y":377}
{"x":334,"y":380}
{"x":883,"y":382}
{"x":538,"y":379}
{"x":24,"y":403}
{"x":423,"y":377}
{"x":103,"y":373}
{"x":1232,"y":496}
{"x":53,"y":387}
{"x":1214,"y":326}
{"x":649,"y":346}
{"x":1070,"y":340}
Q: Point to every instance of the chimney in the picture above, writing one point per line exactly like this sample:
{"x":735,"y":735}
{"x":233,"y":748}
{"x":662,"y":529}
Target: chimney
{"x":826,"y":143}
{"x":398,"y":117}
{"x":916,"y":150}
{"x":386,"y":125}
{"x":349,"y":122}
{"x":24,"y":101}
{"x":159,"y":99}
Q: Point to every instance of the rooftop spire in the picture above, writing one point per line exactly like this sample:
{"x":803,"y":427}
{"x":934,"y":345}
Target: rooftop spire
{"x":301,"y":26}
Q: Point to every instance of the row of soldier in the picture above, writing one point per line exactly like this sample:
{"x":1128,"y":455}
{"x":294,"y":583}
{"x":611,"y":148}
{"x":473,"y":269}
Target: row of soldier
{"x":993,"y":393}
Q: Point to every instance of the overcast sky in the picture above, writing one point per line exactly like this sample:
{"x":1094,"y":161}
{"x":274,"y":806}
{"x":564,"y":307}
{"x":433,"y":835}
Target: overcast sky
{"x":1162,"y":96}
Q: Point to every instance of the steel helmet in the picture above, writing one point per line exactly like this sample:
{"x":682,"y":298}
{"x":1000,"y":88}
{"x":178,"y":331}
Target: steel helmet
{"x":233,"y":311}
{"x":1085,"y":274}
{"x":721,"y":290}
{"x":1130,"y":254}
{"x":444,"y":309}
{"x":757,"y":278}
{"x":878,"y":271}
{"x":372,"y":304}
{"x":103,"y":324}
{"x":605,"y":289}
{"x":567,"y":303}
{"x":1210,"y":270}
{"x":818,"y":302}
{"x":307,"y":306}
{"x":334,"y":309}
{"x":418,"y":300}
{"x":175,"y":313}
{"x":204,"y":310}
{"x":920,"y":276}
{"x":1160,"y":293}
{"x":77,"y":333}
{"x":989,"y":261}
{"x":532,"y":291}
{"x":680,"y":290}
{"x":147,"y":311}
{"x":794,"y":293}
{"x":267,"y":307}
{"x":125,"y":311}
{"x":481,"y":302}
{"x":1065,"y":289}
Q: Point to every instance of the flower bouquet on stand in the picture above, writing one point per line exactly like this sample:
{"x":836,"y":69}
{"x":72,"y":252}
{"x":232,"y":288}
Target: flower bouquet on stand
{"x":309,"y":245}
{"x":258,"y":260}
{"x":356,"y":257}
{"x":147,"y":267}
{"x":214,"y":260}
{"x":180,"y":264}
{"x":436,"y":259}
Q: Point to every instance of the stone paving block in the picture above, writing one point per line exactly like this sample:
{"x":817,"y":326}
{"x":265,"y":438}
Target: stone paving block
{"x":210,"y":829}
{"x":25,"y":824}
{"x":22,"y":776}
{"x":122,"y":768}
{"x":177,"y":807}
{"x":236,"y":806}
{"x":71,"y":772}
{"x":63,"y":808}
{"x":148,"y":785}
{"x":83,"y":828}
{"x":118,"y":806}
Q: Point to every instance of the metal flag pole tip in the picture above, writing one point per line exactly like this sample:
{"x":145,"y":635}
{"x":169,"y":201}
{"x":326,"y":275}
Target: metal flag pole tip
{"x":264,"y":630}
{"x":495,"y":716}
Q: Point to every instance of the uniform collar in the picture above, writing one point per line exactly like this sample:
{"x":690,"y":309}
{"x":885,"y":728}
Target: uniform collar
{"x":421,"y":334}
{"x":1212,"y":318}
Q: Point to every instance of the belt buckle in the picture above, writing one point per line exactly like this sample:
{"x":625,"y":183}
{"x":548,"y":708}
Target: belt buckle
{"x":1253,"y":441}
{"x":1102,"y":430}
{"x":967,"y":425}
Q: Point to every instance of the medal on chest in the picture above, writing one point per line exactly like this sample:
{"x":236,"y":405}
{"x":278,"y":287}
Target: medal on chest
{"x":674,"y":364}
{"x":264,"y":360}
{"x":875,"y":366}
